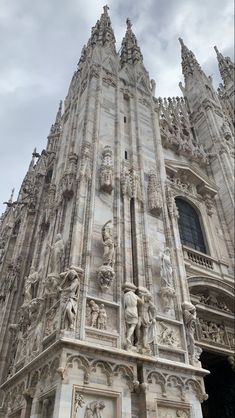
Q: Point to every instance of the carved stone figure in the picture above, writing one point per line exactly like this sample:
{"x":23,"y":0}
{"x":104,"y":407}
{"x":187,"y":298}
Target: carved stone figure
{"x":102,"y":318}
{"x":106,"y":273}
{"x":131,"y":301}
{"x":167,"y":291}
{"x":154,"y":194}
{"x":69,"y":297}
{"x":94,"y":409}
{"x":146,"y":321}
{"x":106,"y":170}
{"x":30,"y":285}
{"x":94,"y":310}
{"x":189,"y":315}
{"x":108,"y":256}
{"x":78,"y":402}
{"x":166,"y":269}
{"x":57,"y":254}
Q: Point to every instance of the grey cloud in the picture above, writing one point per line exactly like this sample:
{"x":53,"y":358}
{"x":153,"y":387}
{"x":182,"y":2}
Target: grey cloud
{"x":41,"y":44}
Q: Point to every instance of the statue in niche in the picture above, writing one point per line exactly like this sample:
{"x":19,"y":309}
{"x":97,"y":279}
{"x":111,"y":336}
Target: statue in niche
{"x":108,"y":256}
{"x":30,"y":285}
{"x":102,"y":318}
{"x":57,"y":254}
{"x":94,"y":409}
{"x":167,"y":291}
{"x":131,"y":302}
{"x":106,"y":170}
{"x":146,"y":329}
{"x":106,"y":273}
{"x":189,"y":316}
{"x":154,"y":194}
{"x":69,"y":289}
{"x":166,"y":269}
{"x":94,"y":311}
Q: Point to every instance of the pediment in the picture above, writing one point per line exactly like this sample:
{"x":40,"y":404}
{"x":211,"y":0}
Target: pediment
{"x":193,"y":175}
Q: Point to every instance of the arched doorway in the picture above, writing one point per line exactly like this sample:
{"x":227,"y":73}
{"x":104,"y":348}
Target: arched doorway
{"x":219,"y":385}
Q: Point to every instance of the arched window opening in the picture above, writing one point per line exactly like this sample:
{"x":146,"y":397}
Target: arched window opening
{"x":189,"y":226}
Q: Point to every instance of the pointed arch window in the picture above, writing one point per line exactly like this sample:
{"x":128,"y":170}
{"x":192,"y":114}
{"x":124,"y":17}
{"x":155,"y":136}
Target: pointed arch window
{"x":189,"y":226}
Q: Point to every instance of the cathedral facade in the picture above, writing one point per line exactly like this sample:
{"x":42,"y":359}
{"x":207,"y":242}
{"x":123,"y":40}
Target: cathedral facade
{"x":116,"y":259}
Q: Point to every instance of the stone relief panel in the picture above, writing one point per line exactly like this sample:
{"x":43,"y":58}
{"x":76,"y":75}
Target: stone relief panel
{"x":94,"y":404}
{"x":173,"y":412}
{"x":168,"y":335}
{"x":212,"y":332}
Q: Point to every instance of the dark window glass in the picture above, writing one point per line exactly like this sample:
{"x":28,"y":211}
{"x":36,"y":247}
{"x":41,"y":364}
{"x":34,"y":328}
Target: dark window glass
{"x":189,"y":226}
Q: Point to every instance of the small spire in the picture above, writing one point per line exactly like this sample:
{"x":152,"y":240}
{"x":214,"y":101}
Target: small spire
{"x":102,"y":32}
{"x":11,"y":196}
{"x":106,"y":8}
{"x":130,"y":51}
{"x":128,"y":23}
{"x":226,"y":67}
{"x":56,"y":127}
{"x":189,"y":62}
{"x":181,"y":42}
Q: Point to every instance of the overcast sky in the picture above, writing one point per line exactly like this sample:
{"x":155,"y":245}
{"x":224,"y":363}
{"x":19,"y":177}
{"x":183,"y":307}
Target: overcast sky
{"x":40,"y":44}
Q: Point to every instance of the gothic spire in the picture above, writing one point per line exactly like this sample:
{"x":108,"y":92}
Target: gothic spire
{"x":56,"y":127}
{"x":130,"y":51}
{"x":102,"y":33}
{"x":226,"y":67}
{"x":189,"y":62}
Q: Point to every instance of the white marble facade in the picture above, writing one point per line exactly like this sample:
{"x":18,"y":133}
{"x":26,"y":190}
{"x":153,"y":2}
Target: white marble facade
{"x":97,"y":292}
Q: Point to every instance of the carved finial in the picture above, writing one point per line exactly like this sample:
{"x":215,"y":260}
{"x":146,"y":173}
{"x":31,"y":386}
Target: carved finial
{"x":106,"y":8}
{"x":128,"y":23}
{"x":216,"y":50}
{"x":181,"y":42}
{"x":12,"y":194}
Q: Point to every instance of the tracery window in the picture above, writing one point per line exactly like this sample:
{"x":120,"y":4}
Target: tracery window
{"x":189,"y":226}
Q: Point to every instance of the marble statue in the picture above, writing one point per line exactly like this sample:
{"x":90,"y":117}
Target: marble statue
{"x":131,"y":301}
{"x":102,"y":318}
{"x":166,"y":269}
{"x":108,"y":256}
{"x":29,"y":285}
{"x":94,"y":311}
{"x":69,"y":297}
{"x":189,"y":316}
{"x":146,"y":331}
{"x":57,"y":254}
